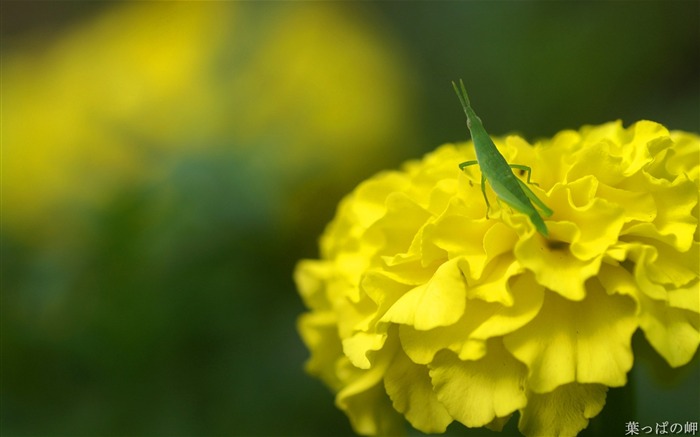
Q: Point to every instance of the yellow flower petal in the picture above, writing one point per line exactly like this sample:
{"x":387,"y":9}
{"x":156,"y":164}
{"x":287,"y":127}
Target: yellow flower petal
{"x":409,"y":387}
{"x":455,"y":234}
{"x":585,"y":342}
{"x":477,"y":392}
{"x":685,"y":158}
{"x":357,"y":347}
{"x":673,"y":332}
{"x":371,"y":412}
{"x":672,"y":268}
{"x":311,"y":278}
{"x":481,"y":320}
{"x":528,"y":297}
{"x":563,"y":412}
{"x":674,"y":222}
{"x":421,"y":346}
{"x":440,"y":302}
{"x":557,"y":268}
{"x":670,"y":318}
{"x":320,"y":335}
{"x":492,"y":285}
{"x":364,"y":399}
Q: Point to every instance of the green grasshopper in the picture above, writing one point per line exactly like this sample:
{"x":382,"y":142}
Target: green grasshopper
{"x":496,"y":170}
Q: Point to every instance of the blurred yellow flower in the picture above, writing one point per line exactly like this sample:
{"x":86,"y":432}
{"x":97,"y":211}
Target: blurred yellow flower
{"x":422,"y":307}
{"x":113,"y":101}
{"x":70,"y":107}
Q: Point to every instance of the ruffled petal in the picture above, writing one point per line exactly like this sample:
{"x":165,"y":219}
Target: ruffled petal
{"x":591,"y":342}
{"x":674,"y":222}
{"x":358,"y":347}
{"x":673,"y":332}
{"x":684,"y":158}
{"x":597,"y":220}
{"x":371,"y":413}
{"x":440,"y":302}
{"x":422,"y":346}
{"x":320,"y":334}
{"x":409,"y":387}
{"x":555,"y":267}
{"x":311,"y":278}
{"x":528,"y":297}
{"x":364,"y":399}
{"x":562,"y":412}
{"x":478,"y":392}
{"x":454,"y":234}
{"x":480,"y":322}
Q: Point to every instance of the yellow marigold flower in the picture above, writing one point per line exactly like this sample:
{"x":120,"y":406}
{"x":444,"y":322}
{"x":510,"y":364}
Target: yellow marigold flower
{"x":421,"y":306}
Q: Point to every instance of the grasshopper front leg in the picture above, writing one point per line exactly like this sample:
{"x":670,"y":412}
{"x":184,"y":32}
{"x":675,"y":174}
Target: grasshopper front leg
{"x":465,"y":164}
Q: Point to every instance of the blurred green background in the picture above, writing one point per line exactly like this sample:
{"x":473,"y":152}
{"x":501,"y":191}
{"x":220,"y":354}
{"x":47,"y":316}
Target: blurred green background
{"x":165,"y":164}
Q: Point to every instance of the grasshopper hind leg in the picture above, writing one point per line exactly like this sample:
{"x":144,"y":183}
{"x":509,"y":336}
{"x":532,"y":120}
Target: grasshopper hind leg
{"x":527,"y":170}
{"x":534,"y":199}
